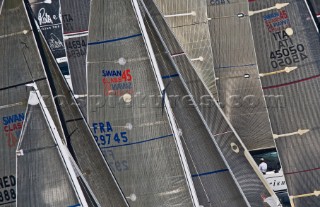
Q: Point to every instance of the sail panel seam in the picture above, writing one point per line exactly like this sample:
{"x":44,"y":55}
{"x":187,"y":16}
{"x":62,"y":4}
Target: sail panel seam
{"x":290,"y":83}
{"x":210,"y":173}
{"x":114,"y":40}
{"x":21,"y":84}
{"x":302,"y":171}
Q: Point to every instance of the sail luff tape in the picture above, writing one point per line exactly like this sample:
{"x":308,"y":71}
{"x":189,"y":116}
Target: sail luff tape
{"x":285,"y":70}
{"x":277,"y":6}
{"x":15,"y":33}
{"x":198,"y":59}
{"x":193,"y":13}
{"x":299,"y":132}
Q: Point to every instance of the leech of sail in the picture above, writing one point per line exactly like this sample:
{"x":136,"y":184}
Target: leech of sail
{"x":115,"y":40}
{"x":277,"y":6}
{"x":285,"y":70}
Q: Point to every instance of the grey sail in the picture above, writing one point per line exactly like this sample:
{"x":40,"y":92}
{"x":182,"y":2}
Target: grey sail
{"x":125,"y":112}
{"x":42,"y":177}
{"x":75,"y":18}
{"x":79,"y":139}
{"x":314,"y":6}
{"x":20,"y":65}
{"x":238,"y":83}
{"x":287,"y":46}
{"x":212,"y":180}
{"x":189,"y":22}
{"x":229,"y":145}
{"x":47,"y":13}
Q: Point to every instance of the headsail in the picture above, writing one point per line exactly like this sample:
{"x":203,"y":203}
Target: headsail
{"x":229,"y":145}
{"x":43,"y":178}
{"x":75,"y":17}
{"x":287,"y":46}
{"x":125,"y":112}
{"x":189,"y":22}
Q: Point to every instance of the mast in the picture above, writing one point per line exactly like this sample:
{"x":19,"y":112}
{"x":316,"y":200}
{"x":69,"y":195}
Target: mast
{"x":188,"y":20}
{"x":286,"y":38}
{"x":222,"y":134}
{"x":33,"y":142}
{"x":314,"y":8}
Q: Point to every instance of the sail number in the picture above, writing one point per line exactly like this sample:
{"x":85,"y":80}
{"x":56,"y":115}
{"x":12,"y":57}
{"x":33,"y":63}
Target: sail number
{"x":107,"y":135}
{"x":7,"y":194}
{"x":114,"y":163}
{"x":76,"y":48}
{"x":287,"y":56}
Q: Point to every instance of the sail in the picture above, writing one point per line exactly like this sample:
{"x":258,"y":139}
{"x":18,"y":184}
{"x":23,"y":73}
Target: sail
{"x":287,"y":46}
{"x":314,"y":6}
{"x":47,"y":13}
{"x":212,"y":180}
{"x":125,"y":111}
{"x":43,"y":179}
{"x":79,"y":138}
{"x":189,"y":22}
{"x":236,"y":156}
{"x":20,"y":65}
{"x":238,"y":83}
{"x":75,"y":18}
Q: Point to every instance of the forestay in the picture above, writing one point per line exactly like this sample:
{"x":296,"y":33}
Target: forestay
{"x":125,"y":110}
{"x":75,"y":18}
{"x":189,"y":22}
{"x":236,"y":156}
{"x":288,"y":48}
{"x":238,"y":83}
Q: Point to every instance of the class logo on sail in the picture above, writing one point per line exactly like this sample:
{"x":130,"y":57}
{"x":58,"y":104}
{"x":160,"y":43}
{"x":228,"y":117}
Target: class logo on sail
{"x":12,"y":126}
{"x":117,"y":82}
{"x":277,"y":21}
{"x":44,"y":17}
{"x":54,"y":42}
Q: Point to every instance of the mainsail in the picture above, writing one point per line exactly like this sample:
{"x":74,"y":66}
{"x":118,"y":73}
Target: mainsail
{"x":189,"y":22}
{"x":75,"y":18}
{"x":43,"y":178}
{"x":238,"y":83}
{"x":236,"y":156}
{"x":287,"y":46}
{"x":209,"y":172}
{"x":125,"y":111}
